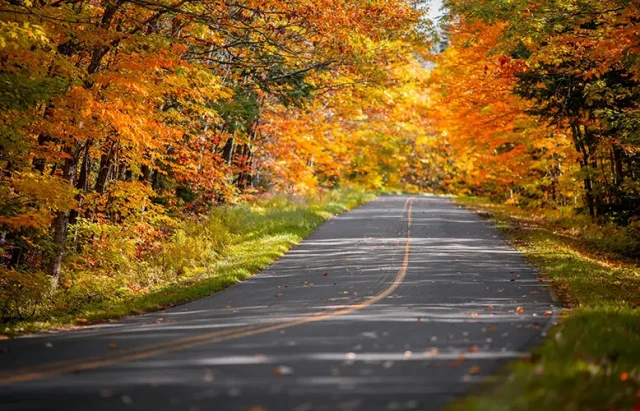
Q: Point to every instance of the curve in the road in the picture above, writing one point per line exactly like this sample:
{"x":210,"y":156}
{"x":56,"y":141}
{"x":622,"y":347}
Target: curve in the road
{"x":152,"y":350}
{"x":404,"y":303}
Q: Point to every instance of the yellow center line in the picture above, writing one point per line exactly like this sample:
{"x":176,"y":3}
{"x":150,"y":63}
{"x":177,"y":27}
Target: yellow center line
{"x":152,"y":350}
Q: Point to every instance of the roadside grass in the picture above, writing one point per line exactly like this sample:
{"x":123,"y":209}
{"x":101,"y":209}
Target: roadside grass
{"x":205,"y":256}
{"x":591,"y":359}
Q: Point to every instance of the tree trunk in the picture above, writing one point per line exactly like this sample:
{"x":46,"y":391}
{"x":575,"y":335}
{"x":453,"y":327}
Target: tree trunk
{"x":145,"y":175}
{"x":60,"y":230}
{"x":227,"y":151}
{"x":83,"y":179}
{"x":40,"y":163}
{"x":618,"y":154}
{"x":244,"y":179}
{"x":61,"y":220}
{"x":579,"y":142}
{"x":17,"y":257}
{"x":106,"y":163}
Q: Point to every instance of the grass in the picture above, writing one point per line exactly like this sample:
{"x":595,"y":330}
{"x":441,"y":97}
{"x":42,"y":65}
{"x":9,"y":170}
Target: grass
{"x":591,"y":360}
{"x":203,"y":257}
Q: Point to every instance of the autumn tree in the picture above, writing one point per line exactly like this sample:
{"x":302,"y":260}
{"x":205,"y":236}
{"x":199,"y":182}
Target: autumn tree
{"x":578,"y":71}
{"x":124,"y":114}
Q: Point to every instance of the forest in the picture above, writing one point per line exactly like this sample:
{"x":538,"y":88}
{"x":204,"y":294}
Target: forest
{"x":139,"y":138}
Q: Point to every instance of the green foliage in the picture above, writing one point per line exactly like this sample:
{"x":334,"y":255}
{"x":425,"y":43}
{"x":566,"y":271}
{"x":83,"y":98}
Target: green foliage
{"x":20,"y":294}
{"x":185,"y":194}
{"x":240,"y":112}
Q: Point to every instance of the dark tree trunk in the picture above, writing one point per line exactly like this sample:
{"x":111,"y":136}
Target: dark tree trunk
{"x":83,"y":179}
{"x":580,"y":145}
{"x":618,"y":156}
{"x":146,"y":173}
{"x":227,"y":151}
{"x":40,"y":163}
{"x":244,"y":179}
{"x":106,"y":164}
{"x":155,"y":181}
{"x":17,"y":257}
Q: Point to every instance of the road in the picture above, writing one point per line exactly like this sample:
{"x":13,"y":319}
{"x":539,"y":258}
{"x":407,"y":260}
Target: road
{"x":404,"y":303}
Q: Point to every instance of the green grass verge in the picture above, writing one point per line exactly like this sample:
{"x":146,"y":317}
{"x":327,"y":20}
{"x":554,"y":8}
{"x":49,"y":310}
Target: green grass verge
{"x":591,"y":360}
{"x":255,"y":235}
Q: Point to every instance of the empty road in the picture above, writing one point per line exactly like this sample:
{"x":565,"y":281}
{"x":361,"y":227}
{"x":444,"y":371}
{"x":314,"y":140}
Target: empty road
{"x":404,"y":303}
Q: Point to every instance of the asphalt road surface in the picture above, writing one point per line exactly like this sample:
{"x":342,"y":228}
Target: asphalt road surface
{"x":404,"y":303}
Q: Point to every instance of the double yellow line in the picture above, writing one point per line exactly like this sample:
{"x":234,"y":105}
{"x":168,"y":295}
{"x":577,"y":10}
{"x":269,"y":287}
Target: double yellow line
{"x":152,"y":350}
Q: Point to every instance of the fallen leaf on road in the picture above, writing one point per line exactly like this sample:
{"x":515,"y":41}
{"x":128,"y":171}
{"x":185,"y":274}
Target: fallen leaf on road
{"x":113,"y":345}
{"x":256,"y":408}
{"x":278,"y":295}
{"x":431,"y":352}
{"x":325,"y":274}
{"x":473,"y":370}
{"x":474,"y":314}
{"x":475,"y":348}
{"x":519,"y":310}
{"x":493,"y":328}
{"x":490,"y":307}
{"x":548,"y":313}
{"x":282,"y":370}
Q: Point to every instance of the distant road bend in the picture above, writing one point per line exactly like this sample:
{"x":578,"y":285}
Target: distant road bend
{"x":404,"y":303}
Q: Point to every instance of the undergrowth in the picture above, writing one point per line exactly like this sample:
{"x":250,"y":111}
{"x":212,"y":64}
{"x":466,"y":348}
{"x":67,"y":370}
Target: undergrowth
{"x":126,"y":272}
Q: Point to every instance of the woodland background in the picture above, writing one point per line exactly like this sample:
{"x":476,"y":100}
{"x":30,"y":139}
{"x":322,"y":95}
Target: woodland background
{"x":130,"y":128}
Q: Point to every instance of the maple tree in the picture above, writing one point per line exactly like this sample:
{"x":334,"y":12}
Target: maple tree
{"x":574,"y":63}
{"x":493,"y":145}
{"x":119,"y":117}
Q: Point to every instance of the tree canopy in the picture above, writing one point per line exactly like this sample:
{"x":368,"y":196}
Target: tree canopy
{"x":122,"y":119}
